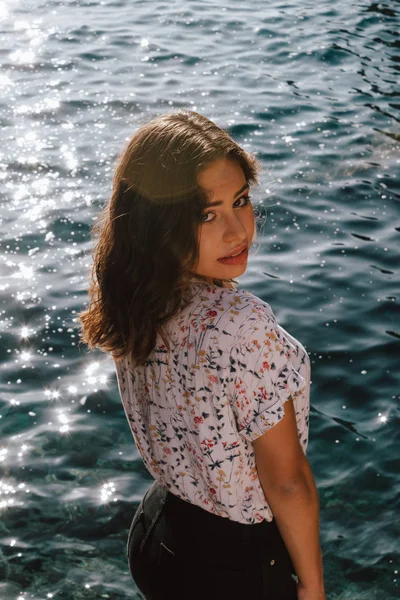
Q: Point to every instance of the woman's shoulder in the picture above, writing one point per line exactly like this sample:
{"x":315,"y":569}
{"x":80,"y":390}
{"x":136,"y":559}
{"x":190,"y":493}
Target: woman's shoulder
{"x":253,"y":307}
{"x":256,"y":319}
{"x":239,"y":306}
{"x":244,"y":314}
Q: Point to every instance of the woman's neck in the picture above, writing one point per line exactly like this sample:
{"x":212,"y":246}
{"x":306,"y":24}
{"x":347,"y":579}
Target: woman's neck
{"x":224,"y":283}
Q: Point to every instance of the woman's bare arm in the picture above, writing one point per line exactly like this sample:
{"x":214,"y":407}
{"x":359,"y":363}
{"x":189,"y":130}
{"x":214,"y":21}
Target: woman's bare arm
{"x":290,"y":490}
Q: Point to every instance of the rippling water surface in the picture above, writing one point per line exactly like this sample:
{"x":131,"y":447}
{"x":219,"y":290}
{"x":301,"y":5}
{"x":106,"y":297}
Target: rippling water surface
{"x":312,"y":87}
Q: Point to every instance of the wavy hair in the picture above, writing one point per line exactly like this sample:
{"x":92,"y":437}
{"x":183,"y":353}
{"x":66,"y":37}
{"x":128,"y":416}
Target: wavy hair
{"x":148,"y":232}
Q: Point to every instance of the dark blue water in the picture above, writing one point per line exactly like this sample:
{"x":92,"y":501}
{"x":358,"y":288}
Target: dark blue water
{"x":312,"y":87}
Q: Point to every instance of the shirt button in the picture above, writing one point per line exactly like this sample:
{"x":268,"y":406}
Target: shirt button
{"x":272,"y":562}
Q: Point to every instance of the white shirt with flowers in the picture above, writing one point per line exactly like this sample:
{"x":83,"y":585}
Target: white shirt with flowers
{"x":194,"y":411}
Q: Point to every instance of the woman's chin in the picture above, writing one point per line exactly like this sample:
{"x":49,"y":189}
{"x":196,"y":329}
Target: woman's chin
{"x":230,"y":271}
{"x":223,"y":272}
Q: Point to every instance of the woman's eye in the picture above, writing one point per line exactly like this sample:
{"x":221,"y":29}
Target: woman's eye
{"x":246,"y":200}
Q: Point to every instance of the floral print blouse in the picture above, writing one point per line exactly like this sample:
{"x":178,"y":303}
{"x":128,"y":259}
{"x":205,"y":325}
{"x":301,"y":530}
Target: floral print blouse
{"x":195,"y":411}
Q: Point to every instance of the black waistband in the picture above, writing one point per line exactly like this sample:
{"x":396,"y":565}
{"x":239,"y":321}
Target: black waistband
{"x":195,"y":530}
{"x":201,"y":516}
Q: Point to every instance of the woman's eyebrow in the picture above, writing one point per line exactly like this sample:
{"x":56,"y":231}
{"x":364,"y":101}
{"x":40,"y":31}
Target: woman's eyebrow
{"x":219,"y":202}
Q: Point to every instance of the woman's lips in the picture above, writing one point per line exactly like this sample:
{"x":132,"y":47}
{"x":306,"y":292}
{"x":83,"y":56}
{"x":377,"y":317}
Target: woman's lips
{"x":235,"y":260}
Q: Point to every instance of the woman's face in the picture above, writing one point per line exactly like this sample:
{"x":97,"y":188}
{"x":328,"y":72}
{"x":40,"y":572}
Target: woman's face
{"x":226,"y":226}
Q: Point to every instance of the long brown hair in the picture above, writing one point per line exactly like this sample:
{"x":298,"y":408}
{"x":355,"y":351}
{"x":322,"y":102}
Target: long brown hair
{"x":147,"y":243}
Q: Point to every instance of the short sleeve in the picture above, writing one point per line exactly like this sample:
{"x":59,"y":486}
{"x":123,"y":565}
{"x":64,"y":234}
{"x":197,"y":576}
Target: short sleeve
{"x":263,"y":376}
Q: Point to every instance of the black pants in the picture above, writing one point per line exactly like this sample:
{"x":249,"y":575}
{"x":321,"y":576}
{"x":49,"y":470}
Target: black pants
{"x":178,"y":551}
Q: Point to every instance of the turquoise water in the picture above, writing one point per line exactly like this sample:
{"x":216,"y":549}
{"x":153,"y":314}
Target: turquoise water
{"x":311,"y":87}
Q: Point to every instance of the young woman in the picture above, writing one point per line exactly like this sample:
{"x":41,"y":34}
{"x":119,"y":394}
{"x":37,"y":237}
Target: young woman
{"x":216,"y":393}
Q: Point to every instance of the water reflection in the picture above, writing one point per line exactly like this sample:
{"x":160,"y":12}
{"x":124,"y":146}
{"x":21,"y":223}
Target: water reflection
{"x":11,"y":494}
{"x":107,"y":492}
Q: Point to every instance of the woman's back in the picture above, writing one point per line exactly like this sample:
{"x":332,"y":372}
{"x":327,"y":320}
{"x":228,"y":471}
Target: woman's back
{"x":194,"y":411}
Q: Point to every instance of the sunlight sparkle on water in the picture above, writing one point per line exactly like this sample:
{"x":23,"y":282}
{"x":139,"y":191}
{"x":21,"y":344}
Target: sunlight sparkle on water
{"x":5,"y":80}
{"x":9,"y":494}
{"x":70,"y":160}
{"x":47,"y":104}
{"x":21,"y":296}
{"x":3,"y":11}
{"x":91,"y":379}
{"x":107,"y":490}
{"x":53,"y":394}
{"x":64,"y":420}
{"x":20,"y":25}
{"x":25,"y":332}
{"x":41,"y":185}
{"x":35,"y":213}
{"x":30,"y":141}
{"x":23,"y":56}
{"x":21,"y":191}
{"x":91,"y":368}
{"x":24,"y":272}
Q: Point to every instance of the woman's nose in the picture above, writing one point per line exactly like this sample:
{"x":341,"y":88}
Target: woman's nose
{"x":234,"y":227}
